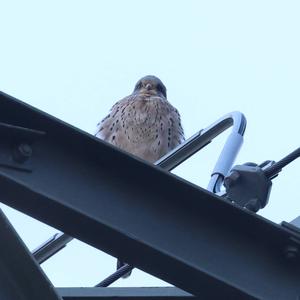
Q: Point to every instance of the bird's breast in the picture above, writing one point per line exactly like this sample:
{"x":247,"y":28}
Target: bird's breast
{"x":144,"y":126}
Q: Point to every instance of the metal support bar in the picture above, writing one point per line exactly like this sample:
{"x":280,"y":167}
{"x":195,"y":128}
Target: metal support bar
{"x":115,"y":276}
{"x":144,"y":293}
{"x":167,"y":226}
{"x":56,"y":243}
{"x":20,"y":275}
{"x":181,"y":153}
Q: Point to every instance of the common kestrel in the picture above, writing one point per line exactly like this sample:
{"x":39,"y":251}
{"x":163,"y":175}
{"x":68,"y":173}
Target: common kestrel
{"x":143,"y":123}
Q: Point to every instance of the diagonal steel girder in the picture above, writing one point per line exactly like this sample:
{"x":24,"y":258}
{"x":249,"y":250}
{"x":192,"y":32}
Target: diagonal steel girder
{"x":146,"y":216}
{"x":21,"y":277}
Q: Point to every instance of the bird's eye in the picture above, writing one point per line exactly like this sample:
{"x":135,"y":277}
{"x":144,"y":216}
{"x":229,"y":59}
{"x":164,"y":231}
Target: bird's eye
{"x":161,"y":89}
{"x":138,"y":86}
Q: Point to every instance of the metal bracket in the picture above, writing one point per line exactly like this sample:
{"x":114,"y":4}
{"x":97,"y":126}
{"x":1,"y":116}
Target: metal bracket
{"x":16,"y":146}
{"x":248,"y":186}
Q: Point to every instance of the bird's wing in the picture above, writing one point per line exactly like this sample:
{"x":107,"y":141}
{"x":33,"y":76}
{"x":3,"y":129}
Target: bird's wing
{"x":175,"y":130}
{"x":111,"y":122}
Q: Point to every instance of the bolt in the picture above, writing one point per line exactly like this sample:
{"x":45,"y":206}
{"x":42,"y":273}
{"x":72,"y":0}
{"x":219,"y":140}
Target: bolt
{"x":21,"y":153}
{"x":291,"y":252}
{"x":231,"y":179}
{"x":228,"y":182}
{"x":253,"y":205}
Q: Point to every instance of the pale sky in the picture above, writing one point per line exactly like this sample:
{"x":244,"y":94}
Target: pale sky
{"x":75,"y":59}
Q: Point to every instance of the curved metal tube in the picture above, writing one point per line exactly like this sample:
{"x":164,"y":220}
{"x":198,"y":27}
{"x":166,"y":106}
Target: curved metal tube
{"x":237,"y":121}
{"x":230,"y":150}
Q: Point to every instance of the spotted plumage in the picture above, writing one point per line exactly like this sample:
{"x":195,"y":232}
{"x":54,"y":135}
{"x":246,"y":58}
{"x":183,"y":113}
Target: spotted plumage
{"x":143,"y":123}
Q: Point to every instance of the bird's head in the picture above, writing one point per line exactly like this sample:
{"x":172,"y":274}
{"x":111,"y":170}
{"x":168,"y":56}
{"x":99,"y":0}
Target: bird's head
{"x":150,"y":85}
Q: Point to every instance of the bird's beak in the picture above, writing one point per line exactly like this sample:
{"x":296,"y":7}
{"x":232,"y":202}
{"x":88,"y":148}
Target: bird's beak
{"x":148,"y":86}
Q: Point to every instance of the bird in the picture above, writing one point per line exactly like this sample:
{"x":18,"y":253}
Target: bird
{"x":144,"y":123}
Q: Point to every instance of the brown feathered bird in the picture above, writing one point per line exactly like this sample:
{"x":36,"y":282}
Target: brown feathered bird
{"x":143,"y":123}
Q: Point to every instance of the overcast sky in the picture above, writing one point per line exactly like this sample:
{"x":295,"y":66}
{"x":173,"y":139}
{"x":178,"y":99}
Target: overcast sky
{"x":75,"y":59}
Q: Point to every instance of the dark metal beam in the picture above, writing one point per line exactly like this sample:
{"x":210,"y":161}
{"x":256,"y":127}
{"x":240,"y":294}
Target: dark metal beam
{"x":146,"y":216}
{"x":20,"y":275}
{"x":168,"y":162}
{"x":145,"y":293}
{"x":53,"y":245}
